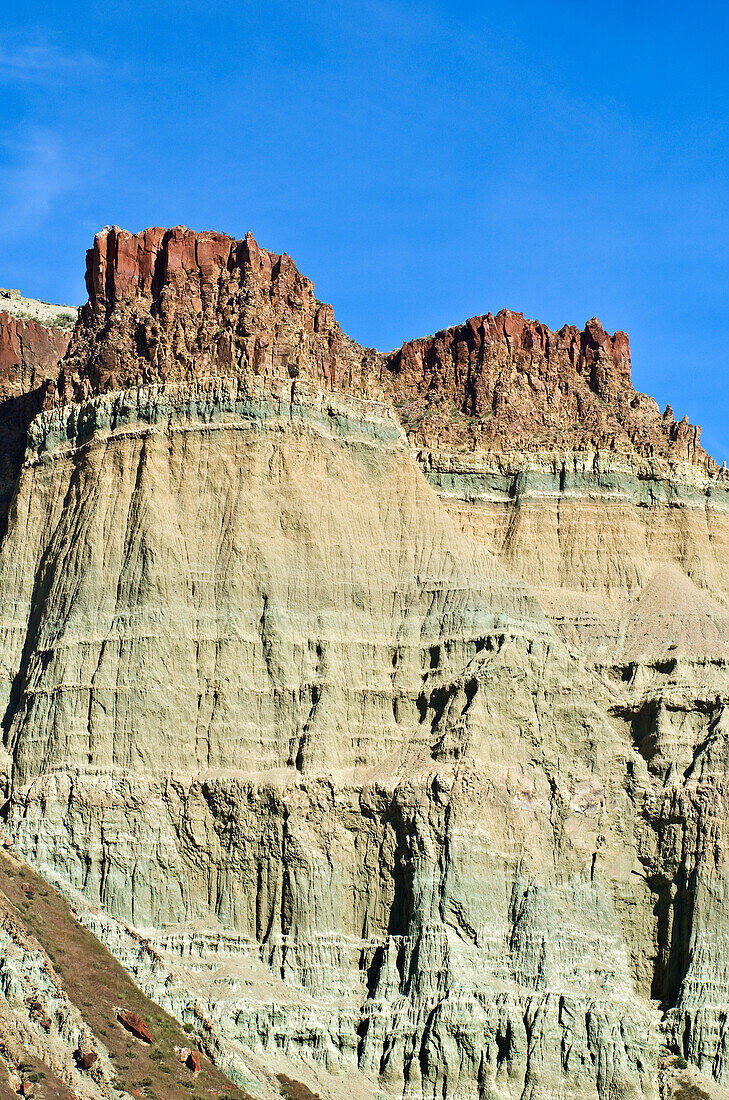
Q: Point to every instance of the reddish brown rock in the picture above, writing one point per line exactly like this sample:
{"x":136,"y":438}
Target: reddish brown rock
{"x":85,"y":1059}
{"x":37,"y":1012}
{"x":29,"y":368}
{"x":175,"y":305}
{"x":29,"y":353}
{"x":193,"y":1061}
{"x":134,"y":1023}
{"x":503,"y":382}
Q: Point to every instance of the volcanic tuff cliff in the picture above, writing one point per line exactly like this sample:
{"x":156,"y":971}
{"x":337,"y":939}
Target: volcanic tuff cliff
{"x":385,"y":694}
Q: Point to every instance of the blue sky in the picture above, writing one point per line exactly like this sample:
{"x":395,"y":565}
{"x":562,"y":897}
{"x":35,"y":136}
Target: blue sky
{"x":422,"y":162}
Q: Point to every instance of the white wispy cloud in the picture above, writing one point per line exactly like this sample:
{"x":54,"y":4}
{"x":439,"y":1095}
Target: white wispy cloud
{"x":43,"y":63}
{"x":34,"y":173}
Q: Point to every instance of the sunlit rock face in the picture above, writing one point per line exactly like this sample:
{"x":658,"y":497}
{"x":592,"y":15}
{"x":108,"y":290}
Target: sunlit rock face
{"x":383,"y":694}
{"x":173,"y":305}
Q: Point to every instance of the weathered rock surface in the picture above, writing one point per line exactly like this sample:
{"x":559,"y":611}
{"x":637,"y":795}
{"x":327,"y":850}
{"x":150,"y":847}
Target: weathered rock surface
{"x":29,"y":357}
{"x":174,"y":305}
{"x":506,"y":383}
{"x":624,"y":545}
{"x":320,"y":730}
{"x":279,"y":690}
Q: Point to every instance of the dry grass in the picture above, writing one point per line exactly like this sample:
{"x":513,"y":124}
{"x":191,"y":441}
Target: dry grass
{"x":295,"y":1090}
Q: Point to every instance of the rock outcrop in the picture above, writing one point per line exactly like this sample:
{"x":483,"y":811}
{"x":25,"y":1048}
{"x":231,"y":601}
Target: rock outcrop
{"x":382,"y":696}
{"x":134,"y":1023}
{"x":29,"y":358}
{"x":503,"y":382}
{"x":174,"y":305}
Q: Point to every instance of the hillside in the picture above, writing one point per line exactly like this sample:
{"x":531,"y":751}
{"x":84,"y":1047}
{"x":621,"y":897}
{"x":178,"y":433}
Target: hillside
{"x":30,"y":309}
{"x":60,"y":996}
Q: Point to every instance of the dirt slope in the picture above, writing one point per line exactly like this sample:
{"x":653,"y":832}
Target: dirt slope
{"x":97,"y":986}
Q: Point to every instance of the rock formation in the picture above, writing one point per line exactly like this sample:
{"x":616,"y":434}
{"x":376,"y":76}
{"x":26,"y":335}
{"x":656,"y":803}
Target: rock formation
{"x":29,"y":355}
{"x":134,"y":1023}
{"x":381,"y":695}
{"x":173,"y":305}
{"x":510,"y":384}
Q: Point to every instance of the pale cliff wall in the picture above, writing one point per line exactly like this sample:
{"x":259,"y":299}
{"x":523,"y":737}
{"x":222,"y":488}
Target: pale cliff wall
{"x":269,"y":686}
{"x":628,"y":559}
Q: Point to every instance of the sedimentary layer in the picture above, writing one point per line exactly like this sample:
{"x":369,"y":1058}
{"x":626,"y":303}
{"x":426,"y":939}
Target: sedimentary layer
{"x":318,"y":729}
{"x":626,"y":556}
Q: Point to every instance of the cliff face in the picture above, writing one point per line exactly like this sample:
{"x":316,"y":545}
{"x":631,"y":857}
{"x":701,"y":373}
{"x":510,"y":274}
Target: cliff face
{"x":384,"y":694}
{"x":173,"y":305}
{"x":271,"y":690}
{"x":505,"y":382}
{"x":619,"y":522}
{"x":29,"y":356}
